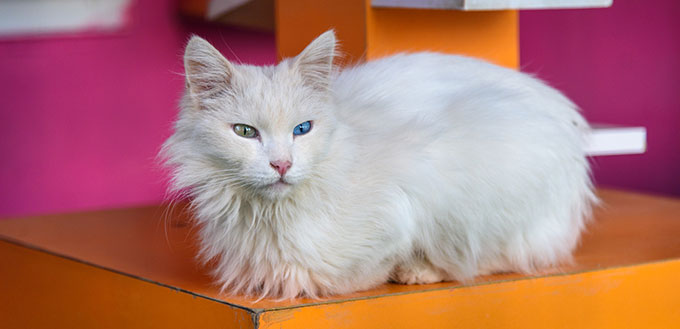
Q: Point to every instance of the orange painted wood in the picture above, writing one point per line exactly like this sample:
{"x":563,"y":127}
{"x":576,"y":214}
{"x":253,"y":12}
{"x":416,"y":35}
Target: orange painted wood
{"x":368,"y":33}
{"x":298,"y":22}
{"x":41,"y":290}
{"x":638,"y":297}
{"x":492,"y":35}
{"x":135,"y":268}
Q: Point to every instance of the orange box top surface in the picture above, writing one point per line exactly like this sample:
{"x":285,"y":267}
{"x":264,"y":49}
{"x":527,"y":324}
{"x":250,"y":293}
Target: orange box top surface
{"x":158,"y":245}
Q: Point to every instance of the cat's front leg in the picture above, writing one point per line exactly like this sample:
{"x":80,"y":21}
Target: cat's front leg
{"x":418,"y":270}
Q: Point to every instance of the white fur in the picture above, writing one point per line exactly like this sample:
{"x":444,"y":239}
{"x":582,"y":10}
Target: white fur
{"x":418,"y":168}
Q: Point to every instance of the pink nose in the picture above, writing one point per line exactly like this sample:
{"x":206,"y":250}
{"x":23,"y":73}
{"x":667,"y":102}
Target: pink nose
{"x":280,"y":166}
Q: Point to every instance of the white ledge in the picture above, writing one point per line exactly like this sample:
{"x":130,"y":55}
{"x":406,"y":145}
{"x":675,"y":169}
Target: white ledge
{"x":491,"y":4}
{"x":616,"y":140}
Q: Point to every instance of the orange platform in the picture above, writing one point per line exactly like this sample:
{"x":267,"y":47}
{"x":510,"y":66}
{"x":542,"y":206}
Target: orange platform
{"x":134,"y":268}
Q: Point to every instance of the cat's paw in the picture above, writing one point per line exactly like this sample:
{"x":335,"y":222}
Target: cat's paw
{"x":417,"y":274}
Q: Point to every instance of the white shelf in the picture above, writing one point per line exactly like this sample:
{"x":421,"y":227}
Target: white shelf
{"x":491,"y":4}
{"x":616,"y":140}
{"x":49,"y":16}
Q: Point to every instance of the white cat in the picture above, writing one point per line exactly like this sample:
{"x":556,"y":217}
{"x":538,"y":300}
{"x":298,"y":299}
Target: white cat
{"x":417,"y":168}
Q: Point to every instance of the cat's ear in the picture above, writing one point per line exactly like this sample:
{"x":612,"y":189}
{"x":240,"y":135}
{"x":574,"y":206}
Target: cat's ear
{"x":315,"y":63}
{"x":205,"y":68}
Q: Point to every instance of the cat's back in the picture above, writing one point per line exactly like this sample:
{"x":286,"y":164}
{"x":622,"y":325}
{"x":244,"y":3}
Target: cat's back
{"x":423,"y":85}
{"x":414,"y":99}
{"x":412,"y":71}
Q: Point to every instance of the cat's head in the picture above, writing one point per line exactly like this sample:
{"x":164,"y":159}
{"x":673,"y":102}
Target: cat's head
{"x":262,"y":130}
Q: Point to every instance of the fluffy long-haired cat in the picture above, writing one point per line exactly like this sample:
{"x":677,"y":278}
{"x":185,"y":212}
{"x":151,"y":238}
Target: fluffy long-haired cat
{"x":416,"y":168}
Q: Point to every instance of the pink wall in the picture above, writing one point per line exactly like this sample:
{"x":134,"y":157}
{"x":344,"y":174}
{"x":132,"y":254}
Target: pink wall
{"x":621,"y":65}
{"x":82,"y":118}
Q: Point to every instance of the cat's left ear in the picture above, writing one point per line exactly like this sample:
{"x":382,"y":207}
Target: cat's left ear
{"x":315,"y":63}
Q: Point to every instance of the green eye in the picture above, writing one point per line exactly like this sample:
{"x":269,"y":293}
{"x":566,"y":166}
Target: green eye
{"x":245,"y":130}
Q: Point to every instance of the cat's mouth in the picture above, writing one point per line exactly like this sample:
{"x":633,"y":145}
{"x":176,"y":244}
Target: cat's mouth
{"x":277,"y":189}
{"x":281,"y":183}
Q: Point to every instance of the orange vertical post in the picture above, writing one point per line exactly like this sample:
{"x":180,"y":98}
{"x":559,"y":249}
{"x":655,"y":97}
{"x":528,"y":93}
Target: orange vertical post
{"x":368,"y":33}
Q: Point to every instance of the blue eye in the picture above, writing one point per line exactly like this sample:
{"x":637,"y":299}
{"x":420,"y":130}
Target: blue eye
{"x":302,"y":128}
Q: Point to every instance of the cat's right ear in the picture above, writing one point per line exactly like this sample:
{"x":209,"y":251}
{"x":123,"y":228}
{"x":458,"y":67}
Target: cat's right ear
{"x":206,"y":70}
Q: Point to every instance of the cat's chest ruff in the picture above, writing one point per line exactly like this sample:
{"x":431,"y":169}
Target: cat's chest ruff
{"x":285,"y":226}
